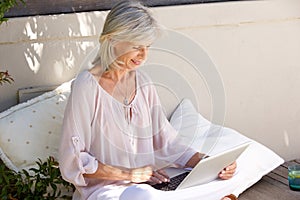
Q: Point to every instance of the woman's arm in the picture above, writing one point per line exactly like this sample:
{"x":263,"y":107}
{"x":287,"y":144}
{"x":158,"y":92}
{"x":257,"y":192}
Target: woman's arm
{"x":195,"y":159}
{"x":107,"y":172}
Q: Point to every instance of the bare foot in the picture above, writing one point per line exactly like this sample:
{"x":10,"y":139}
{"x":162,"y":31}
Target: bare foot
{"x":230,"y":197}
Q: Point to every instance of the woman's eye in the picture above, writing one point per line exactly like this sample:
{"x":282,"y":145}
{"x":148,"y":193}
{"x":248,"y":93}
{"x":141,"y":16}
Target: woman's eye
{"x":141,"y":47}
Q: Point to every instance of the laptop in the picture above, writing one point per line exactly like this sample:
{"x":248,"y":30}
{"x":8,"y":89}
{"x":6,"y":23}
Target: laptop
{"x":205,"y":171}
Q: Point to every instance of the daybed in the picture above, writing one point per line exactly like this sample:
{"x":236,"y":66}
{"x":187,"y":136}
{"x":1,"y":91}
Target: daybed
{"x":31,"y":130}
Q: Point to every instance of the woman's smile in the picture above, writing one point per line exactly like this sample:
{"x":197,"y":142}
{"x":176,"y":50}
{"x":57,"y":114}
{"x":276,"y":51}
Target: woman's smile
{"x":137,"y":62}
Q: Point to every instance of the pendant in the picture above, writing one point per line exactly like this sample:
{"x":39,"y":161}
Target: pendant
{"x":126,"y":101}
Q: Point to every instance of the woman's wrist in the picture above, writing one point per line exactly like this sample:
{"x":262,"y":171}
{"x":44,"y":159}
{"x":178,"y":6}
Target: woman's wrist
{"x":142,"y":174}
{"x":195,"y":159}
{"x":123,"y":173}
{"x":127,"y":174}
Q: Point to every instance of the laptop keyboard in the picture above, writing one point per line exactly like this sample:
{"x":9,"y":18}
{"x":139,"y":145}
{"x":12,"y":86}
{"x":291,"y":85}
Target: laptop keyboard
{"x":173,"y":184}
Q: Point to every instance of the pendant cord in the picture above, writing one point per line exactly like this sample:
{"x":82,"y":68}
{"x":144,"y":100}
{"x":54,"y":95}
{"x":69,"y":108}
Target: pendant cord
{"x":125,"y":96}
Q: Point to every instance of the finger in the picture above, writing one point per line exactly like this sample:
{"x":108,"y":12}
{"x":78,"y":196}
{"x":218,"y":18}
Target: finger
{"x":160,"y":177}
{"x":226,"y":175}
{"x":229,"y":170}
{"x":163,"y":173}
{"x":231,"y":167}
{"x":154,"y":180}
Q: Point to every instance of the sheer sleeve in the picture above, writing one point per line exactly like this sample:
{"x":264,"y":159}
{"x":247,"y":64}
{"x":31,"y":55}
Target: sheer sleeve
{"x":74,"y":157}
{"x":168,"y":146}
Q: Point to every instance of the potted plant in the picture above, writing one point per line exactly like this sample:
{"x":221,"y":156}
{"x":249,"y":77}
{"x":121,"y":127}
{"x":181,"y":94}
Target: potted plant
{"x":5,"y":77}
{"x":41,"y":183}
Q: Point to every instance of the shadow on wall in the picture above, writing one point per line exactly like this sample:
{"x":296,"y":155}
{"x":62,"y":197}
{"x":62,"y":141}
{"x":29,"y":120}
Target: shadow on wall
{"x":60,"y":41}
{"x":45,"y":50}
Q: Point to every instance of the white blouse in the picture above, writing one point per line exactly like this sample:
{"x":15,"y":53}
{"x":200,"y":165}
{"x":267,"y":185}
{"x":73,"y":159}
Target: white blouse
{"x":97,"y":127}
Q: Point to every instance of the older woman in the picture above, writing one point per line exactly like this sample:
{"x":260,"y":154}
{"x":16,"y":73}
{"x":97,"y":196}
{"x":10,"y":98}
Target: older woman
{"x":115,"y":134}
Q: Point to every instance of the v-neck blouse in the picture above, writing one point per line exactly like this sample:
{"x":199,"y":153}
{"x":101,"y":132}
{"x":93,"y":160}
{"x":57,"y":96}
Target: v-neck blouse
{"x":95,"y":128}
{"x":110,"y":96}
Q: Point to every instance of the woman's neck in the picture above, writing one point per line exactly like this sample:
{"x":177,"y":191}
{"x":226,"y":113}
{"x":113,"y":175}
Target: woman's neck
{"x":115,"y":75}
{"x":121,"y":84}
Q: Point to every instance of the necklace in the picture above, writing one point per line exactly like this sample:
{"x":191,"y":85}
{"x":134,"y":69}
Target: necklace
{"x":124,"y":95}
{"x":126,"y":101}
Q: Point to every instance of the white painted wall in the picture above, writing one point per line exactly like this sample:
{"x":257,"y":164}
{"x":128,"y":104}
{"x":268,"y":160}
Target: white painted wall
{"x":255,"y":46}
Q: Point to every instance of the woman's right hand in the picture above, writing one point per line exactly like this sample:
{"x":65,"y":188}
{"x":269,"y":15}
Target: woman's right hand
{"x":139,"y":175}
{"x":147,"y":174}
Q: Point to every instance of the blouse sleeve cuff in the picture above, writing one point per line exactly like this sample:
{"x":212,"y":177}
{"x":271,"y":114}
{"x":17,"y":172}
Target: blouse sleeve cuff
{"x":89,"y":163}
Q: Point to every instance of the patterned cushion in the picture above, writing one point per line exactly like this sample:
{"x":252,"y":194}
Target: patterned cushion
{"x":31,"y":130}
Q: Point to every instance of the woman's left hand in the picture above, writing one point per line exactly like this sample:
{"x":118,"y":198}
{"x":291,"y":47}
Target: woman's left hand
{"x":228,"y":171}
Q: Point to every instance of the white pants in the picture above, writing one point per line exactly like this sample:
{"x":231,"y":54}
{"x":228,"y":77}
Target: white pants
{"x":146,"y":192}
{"x":138,"y":192}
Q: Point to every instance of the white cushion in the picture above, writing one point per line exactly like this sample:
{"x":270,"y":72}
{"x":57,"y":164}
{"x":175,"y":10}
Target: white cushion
{"x":206,"y":137}
{"x":31,"y":130}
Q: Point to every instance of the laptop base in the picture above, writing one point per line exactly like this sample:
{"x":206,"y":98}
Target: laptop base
{"x":173,"y":184}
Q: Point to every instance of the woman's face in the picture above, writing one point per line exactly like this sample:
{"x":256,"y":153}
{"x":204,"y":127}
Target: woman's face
{"x":131,"y":55}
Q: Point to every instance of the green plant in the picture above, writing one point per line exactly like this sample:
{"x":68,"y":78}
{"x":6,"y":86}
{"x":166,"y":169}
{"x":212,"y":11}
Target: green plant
{"x":5,"y":5}
{"x":43,"y":182}
{"x":5,"y":77}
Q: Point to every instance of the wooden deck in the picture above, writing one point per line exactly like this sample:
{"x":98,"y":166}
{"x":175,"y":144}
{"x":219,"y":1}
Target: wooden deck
{"x":273,"y":186}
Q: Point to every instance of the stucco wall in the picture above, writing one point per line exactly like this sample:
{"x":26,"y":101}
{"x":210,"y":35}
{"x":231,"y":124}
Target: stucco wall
{"x":255,"y":46}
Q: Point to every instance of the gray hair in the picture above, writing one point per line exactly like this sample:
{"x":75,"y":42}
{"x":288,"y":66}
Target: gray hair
{"x":128,"y":21}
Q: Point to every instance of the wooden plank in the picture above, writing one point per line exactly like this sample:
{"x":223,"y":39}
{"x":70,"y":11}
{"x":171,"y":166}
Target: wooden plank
{"x":280,"y":174}
{"x":275,"y":177}
{"x":273,"y":181}
{"x":281,"y":171}
{"x":272,"y":186}
{"x":263,"y":190}
{"x":44,"y":7}
{"x":288,"y":163}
